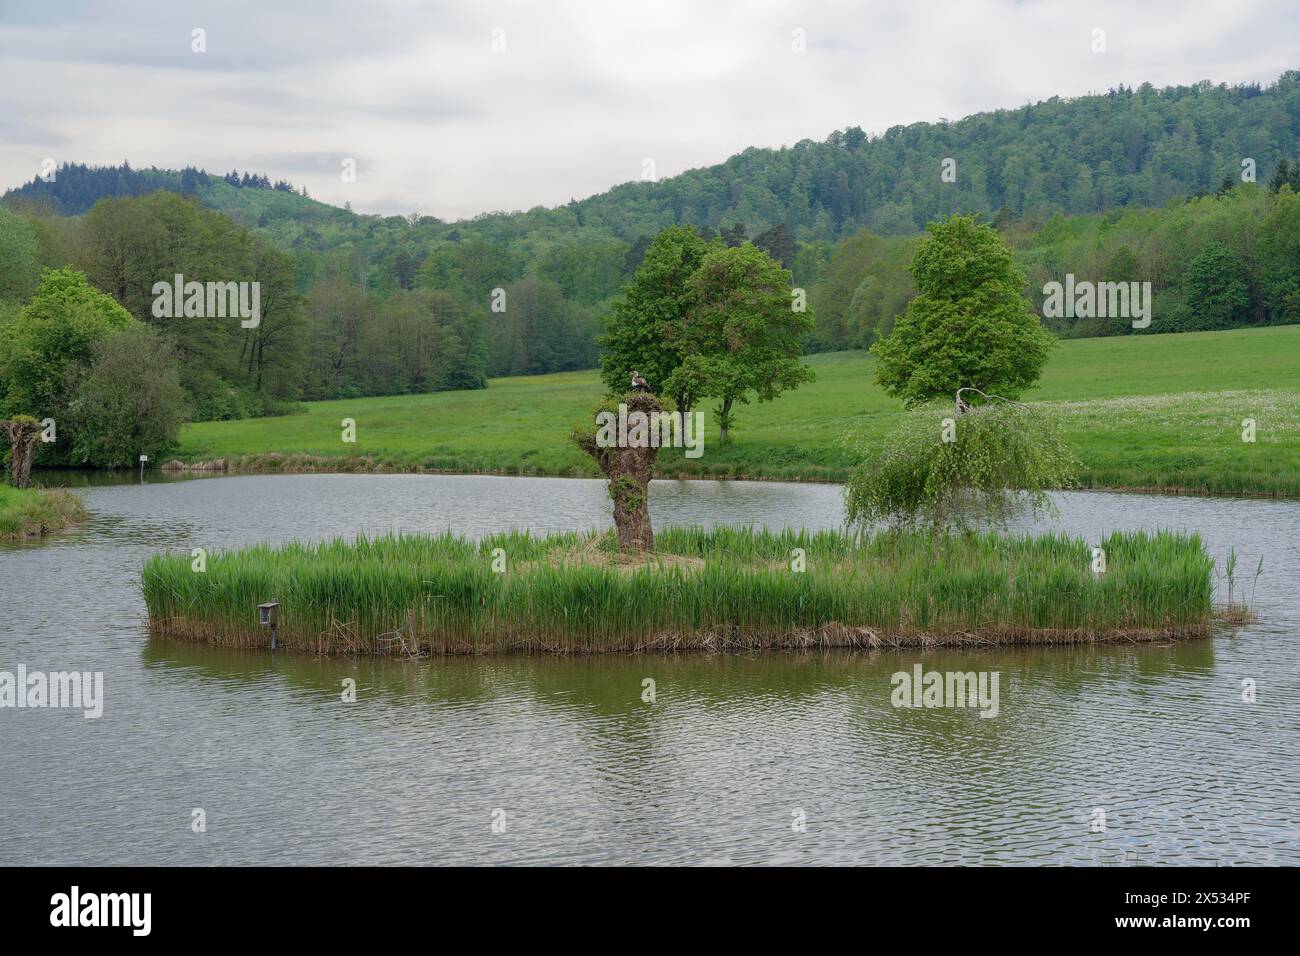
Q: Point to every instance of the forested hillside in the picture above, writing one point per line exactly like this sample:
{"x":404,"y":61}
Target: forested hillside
{"x":1229,"y":260}
{"x":1085,"y":154}
{"x":1126,"y":147}
{"x":1130,"y":185}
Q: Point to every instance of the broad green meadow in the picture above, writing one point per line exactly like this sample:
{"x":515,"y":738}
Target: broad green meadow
{"x":1154,"y":412}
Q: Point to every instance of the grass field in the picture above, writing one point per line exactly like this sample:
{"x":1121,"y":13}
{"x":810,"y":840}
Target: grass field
{"x":725,"y":588}
{"x":28,"y":513}
{"x":1160,"y":412}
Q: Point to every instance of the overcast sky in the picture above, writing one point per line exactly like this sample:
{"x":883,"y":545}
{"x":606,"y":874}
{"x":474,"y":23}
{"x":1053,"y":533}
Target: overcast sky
{"x":441,"y":123}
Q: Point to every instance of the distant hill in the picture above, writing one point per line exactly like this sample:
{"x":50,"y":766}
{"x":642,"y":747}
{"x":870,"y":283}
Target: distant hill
{"x":1088,"y":154}
{"x":1138,"y":186}
{"x":1125,"y":147}
{"x":76,"y":187}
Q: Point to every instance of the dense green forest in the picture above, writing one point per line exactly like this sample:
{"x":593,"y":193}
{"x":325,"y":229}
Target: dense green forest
{"x":1135,"y":184}
{"x":1228,"y":260}
{"x":1126,"y":147}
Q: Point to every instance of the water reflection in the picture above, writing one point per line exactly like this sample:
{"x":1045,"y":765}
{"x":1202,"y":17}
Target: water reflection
{"x":1157,"y":736}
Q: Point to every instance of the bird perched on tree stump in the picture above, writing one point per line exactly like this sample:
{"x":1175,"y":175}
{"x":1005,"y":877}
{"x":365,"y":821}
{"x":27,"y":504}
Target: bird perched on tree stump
{"x":627,"y":470}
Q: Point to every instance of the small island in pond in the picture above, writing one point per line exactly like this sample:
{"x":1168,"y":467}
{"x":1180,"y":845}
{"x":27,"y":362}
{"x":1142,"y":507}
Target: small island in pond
{"x":719,"y":589}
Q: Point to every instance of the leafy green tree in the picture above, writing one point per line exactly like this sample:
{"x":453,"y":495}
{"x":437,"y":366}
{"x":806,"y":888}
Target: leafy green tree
{"x":129,"y":402}
{"x":587,"y":272}
{"x":645,"y":327}
{"x":423,"y":340}
{"x":809,"y":260}
{"x":466,"y":354}
{"x":272,"y":354}
{"x":404,"y":269}
{"x":1121,"y":266}
{"x":1279,"y":253}
{"x":337,"y":311}
{"x":1281,"y":175}
{"x":540,"y":331}
{"x":52,"y":341}
{"x":635,"y":254}
{"x":19,"y":256}
{"x":735,"y":236}
{"x":131,"y":244}
{"x":970,"y":323}
{"x":742,"y":338}
{"x":861,"y":289}
{"x":779,"y":244}
{"x":1217,"y":294}
{"x":471,"y":267}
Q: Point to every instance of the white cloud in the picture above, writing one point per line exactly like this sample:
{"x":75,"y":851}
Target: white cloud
{"x":582,"y":93}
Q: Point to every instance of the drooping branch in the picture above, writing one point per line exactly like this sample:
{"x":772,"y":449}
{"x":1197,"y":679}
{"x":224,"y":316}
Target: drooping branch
{"x":964,"y":406}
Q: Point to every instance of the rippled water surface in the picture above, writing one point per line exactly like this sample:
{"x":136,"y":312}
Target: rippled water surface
{"x":718,"y":770}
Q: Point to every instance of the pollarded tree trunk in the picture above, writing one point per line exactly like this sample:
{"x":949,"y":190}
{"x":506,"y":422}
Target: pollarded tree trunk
{"x":628,"y":472}
{"x":22,"y":433}
{"x":632,"y":512}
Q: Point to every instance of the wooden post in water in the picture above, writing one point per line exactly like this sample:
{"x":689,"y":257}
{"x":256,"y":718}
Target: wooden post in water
{"x":268,"y":616}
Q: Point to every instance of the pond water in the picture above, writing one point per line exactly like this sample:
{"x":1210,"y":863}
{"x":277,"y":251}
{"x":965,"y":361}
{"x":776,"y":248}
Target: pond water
{"x":769,"y":758}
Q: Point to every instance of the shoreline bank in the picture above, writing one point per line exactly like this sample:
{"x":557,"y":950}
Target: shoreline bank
{"x":32,"y":513}
{"x":289,"y":464}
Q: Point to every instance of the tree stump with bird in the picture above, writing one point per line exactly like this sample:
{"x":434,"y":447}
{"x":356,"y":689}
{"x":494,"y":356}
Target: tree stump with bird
{"x":627,"y":470}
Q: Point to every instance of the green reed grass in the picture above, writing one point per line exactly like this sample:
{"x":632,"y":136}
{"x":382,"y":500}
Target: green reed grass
{"x":30,"y":512}
{"x":718,"y":588}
